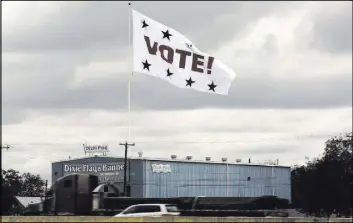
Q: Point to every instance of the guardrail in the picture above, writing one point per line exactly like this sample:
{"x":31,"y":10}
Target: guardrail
{"x":163,"y":219}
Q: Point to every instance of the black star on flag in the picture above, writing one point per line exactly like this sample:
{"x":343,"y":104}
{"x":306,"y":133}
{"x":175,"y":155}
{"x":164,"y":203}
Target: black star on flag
{"x":166,"y":34}
{"x":212,"y":86}
{"x":154,"y":50}
{"x":189,"y":82}
{"x":169,"y":73}
{"x":144,"y":24}
{"x":146,"y":65}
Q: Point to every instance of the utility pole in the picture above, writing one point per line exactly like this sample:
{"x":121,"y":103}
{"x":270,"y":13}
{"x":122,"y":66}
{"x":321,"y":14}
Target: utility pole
{"x":126,"y":144}
{"x":7,"y":147}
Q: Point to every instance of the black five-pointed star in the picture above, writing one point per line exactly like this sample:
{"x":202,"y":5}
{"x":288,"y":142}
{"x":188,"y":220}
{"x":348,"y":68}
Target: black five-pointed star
{"x":166,"y":34}
{"x":212,"y":86}
{"x":146,"y":65}
{"x":144,"y":24}
{"x":169,"y":73}
{"x":189,"y":82}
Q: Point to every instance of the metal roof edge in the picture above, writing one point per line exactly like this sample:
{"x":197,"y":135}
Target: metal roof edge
{"x":176,"y":160}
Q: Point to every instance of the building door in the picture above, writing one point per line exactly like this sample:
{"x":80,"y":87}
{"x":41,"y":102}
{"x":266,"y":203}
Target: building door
{"x":65,"y":195}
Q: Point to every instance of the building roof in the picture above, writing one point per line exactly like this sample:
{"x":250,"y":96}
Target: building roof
{"x":25,"y":201}
{"x":112,"y":159}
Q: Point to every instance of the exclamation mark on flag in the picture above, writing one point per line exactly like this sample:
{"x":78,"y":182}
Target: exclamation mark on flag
{"x":209,"y":65}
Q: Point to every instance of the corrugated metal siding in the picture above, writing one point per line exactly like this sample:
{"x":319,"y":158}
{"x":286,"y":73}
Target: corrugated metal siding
{"x":186,"y":179}
{"x":263,"y":180}
{"x":210,"y":179}
{"x":136,"y":178}
{"x":57,"y":172}
{"x":197,"y":179}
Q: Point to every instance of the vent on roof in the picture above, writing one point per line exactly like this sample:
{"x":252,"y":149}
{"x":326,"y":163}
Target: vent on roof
{"x":208,"y":158}
{"x":173,"y":157}
{"x":189,"y":157}
{"x":224,"y":159}
{"x":140,"y":154}
{"x":238,"y":160}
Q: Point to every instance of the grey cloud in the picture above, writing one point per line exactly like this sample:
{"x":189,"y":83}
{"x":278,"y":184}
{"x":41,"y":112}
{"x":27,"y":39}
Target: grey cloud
{"x":157,"y":132}
{"x":78,"y":26}
{"x":267,"y":150}
{"x":232,"y":151}
{"x":85,"y":24}
{"x":248,"y":93}
{"x":264,"y":152}
{"x":240,"y":129}
{"x":209,"y":128}
{"x":333,"y":33}
{"x":44,"y":79}
{"x":270,"y":45}
{"x":45,"y":85}
{"x":151,"y":93}
{"x":95,"y":30}
{"x":11,"y":115}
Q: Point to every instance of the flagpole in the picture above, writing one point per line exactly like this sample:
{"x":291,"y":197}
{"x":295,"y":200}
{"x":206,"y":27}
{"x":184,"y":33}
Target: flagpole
{"x":127,"y":144}
{"x":129,"y":81}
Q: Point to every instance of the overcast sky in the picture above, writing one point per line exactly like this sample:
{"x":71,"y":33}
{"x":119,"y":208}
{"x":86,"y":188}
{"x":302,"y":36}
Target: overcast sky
{"x":65,"y":70}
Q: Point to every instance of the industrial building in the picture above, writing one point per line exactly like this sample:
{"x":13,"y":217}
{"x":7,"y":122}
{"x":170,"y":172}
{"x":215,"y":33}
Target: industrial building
{"x":185,"y":177}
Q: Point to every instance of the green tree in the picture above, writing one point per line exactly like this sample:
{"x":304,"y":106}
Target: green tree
{"x":324,"y":185}
{"x":11,"y":183}
{"x":12,"y":180}
{"x":14,"y":184}
{"x":32,"y":185}
{"x":26,"y":184}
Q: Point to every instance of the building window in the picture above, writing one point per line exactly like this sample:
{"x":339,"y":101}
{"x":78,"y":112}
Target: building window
{"x":147,"y":209}
{"x":68,"y":183}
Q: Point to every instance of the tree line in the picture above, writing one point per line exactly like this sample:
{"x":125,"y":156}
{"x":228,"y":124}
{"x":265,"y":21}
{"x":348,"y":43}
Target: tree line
{"x":15,"y":184}
{"x":321,"y":187}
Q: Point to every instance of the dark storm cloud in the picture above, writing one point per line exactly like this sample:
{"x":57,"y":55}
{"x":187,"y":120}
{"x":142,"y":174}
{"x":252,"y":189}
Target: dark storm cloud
{"x":333,"y":31}
{"x":84,"y":24}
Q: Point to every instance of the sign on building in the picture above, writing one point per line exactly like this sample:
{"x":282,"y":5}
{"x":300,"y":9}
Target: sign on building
{"x":161,"y":168}
{"x":95,"y":150}
{"x":107,"y":172}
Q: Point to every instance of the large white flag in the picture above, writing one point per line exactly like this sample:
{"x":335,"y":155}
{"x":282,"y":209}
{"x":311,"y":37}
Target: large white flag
{"x":162,"y":52}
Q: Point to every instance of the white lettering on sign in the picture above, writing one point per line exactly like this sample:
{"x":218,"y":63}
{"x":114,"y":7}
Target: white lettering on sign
{"x":93,"y":168}
{"x":106,"y":172}
{"x":161,"y":168}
